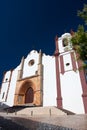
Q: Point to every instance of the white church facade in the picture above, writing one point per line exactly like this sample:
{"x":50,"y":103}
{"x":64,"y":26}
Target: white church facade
{"x":43,"y":80}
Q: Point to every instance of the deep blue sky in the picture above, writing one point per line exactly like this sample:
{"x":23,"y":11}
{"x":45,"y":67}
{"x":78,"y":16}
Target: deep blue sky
{"x":33,"y":24}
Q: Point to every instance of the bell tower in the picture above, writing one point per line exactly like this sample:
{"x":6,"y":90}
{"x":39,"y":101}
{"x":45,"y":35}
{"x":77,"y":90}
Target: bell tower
{"x":70,"y":81}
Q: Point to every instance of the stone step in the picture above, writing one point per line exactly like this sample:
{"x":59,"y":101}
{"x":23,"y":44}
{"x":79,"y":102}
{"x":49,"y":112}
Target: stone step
{"x":41,"y":111}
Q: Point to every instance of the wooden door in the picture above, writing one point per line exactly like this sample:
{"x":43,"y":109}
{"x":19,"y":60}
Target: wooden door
{"x":29,"y":96}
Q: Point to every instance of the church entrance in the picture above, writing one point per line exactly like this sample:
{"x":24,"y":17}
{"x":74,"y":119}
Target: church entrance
{"x":29,"y":95}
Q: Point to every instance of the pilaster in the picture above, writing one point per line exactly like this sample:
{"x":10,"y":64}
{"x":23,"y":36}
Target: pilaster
{"x":20,"y":72}
{"x":56,"y":54}
{"x":84,"y":85}
{"x":40,"y":73}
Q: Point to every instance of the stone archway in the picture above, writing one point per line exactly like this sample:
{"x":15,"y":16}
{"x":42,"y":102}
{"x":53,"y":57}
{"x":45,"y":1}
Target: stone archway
{"x":26,"y":92}
{"x":29,"y":95}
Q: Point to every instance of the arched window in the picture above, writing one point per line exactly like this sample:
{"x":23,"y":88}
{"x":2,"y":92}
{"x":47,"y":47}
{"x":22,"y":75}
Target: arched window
{"x":65,"y":42}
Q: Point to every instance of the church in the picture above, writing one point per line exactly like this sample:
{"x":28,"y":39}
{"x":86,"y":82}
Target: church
{"x":44,"y":80}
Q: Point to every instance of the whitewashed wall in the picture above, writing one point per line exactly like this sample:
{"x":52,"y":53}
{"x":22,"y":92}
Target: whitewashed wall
{"x":67,"y":59}
{"x":72,"y":92}
{"x":11,"y":90}
{"x":3,"y":91}
{"x":4,"y":86}
{"x":10,"y":99}
{"x":30,"y":70}
{"x":49,"y":81}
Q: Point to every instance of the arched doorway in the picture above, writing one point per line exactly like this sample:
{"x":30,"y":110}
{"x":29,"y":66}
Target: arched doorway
{"x":29,"y":95}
